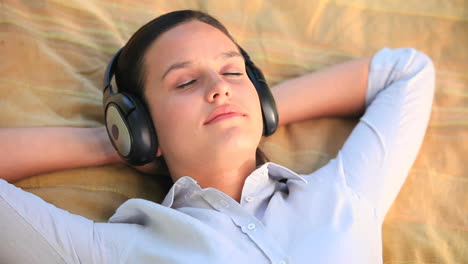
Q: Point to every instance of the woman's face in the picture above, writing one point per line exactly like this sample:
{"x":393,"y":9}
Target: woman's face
{"x":193,"y":70}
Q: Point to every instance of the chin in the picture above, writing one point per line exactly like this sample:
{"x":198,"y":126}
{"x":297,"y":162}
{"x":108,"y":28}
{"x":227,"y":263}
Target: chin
{"x":238,"y":142}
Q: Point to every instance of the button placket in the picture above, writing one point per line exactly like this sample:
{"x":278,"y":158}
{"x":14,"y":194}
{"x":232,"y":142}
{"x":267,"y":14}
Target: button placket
{"x":246,"y":222}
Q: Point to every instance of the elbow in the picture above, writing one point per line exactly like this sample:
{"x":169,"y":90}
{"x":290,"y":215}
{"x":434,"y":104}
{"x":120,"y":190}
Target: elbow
{"x":426,"y":71}
{"x":417,"y":65}
{"x":420,"y":74}
{"x":416,"y":69}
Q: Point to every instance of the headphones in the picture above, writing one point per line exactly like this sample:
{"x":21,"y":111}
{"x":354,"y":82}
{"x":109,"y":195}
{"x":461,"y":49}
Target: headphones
{"x":130,"y":127}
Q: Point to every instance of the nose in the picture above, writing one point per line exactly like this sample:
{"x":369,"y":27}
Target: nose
{"x":218,"y":90}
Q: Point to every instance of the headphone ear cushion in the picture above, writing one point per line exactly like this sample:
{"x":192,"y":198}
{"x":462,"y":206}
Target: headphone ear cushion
{"x":130,"y":129}
{"x":267,"y":101}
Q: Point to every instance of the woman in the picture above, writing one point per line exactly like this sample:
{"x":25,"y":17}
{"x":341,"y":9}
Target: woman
{"x":225,"y":205}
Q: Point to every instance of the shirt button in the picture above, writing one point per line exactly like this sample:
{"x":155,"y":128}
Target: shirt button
{"x":251,"y":226}
{"x":249,"y":199}
{"x":282,"y":262}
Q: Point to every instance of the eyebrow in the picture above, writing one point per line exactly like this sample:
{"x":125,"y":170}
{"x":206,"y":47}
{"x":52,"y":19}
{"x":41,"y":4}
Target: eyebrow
{"x":185,"y":64}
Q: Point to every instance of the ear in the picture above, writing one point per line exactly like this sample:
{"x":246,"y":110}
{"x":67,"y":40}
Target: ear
{"x":159,"y":152}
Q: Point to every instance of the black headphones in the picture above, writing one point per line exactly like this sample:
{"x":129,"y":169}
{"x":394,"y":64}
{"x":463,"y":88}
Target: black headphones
{"x":130,"y":127}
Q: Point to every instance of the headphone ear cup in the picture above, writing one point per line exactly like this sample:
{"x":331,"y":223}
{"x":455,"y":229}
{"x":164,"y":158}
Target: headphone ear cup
{"x":130,"y":129}
{"x":267,"y":101}
{"x":117,"y":130}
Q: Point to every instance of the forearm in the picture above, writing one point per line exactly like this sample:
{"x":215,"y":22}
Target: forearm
{"x":336,"y":91}
{"x":28,"y":151}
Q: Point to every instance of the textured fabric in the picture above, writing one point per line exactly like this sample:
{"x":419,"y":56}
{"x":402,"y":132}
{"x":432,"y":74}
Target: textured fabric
{"x":333,"y":215}
{"x":54,"y":53}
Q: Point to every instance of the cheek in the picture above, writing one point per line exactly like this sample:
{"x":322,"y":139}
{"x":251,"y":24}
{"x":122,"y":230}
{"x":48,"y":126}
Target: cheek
{"x":173,"y":119}
{"x":254,"y":102}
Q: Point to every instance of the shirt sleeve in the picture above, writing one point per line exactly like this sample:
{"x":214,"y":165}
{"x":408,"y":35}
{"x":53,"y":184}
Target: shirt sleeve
{"x":381,"y":149}
{"x":34,"y":231}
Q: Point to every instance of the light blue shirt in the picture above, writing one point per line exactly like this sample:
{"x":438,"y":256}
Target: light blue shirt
{"x":333,"y":215}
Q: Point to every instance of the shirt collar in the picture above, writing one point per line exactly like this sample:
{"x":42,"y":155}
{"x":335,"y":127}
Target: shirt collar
{"x":264,"y":175}
{"x":183,"y":185}
{"x":278,"y":172}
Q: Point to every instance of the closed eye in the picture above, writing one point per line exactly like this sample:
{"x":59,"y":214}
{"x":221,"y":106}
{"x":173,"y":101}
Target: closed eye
{"x":193,"y":81}
{"x":233,"y":73}
{"x":186,"y":84}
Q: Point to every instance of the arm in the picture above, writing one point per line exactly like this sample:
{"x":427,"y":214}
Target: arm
{"x":33,"y":231}
{"x":379,"y":153}
{"x":29,"y":222}
{"x":28,"y":151}
{"x":377,"y":156}
{"x":336,"y":91}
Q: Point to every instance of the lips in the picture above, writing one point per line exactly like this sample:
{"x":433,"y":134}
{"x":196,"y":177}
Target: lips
{"x":227,"y":110}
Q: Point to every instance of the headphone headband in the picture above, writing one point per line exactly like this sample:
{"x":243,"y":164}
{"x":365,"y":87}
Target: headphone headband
{"x":109,"y":74}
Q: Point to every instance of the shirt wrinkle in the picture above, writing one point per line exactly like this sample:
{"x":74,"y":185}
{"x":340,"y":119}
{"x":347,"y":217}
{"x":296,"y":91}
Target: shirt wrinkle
{"x":263,"y":178}
{"x":333,"y":215}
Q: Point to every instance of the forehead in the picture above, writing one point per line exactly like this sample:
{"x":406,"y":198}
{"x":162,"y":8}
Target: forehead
{"x":192,"y":41}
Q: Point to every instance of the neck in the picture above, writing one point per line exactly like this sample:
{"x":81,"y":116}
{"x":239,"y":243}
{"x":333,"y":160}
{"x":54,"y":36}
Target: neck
{"x":228,"y":179}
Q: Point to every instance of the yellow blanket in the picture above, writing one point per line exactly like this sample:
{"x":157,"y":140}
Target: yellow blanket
{"x":53,"y":55}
